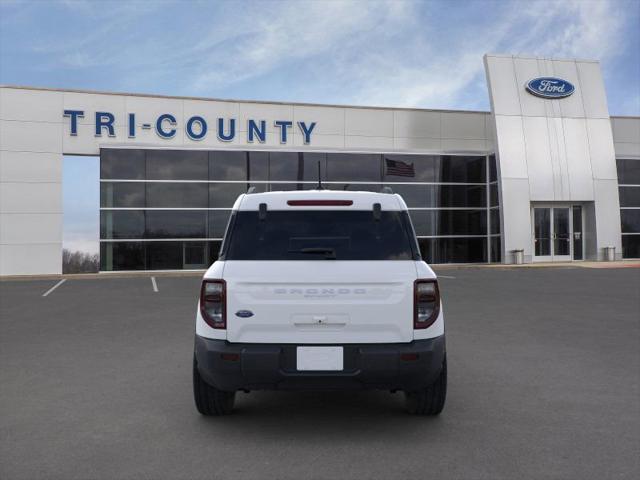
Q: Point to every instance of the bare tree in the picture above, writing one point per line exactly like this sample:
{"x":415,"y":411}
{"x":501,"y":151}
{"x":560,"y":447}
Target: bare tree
{"x":79,"y":262}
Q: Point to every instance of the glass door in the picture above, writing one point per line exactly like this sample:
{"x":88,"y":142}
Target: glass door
{"x":557,"y":233}
{"x":194,"y":255}
{"x":561,"y":234}
{"x":542,"y":233}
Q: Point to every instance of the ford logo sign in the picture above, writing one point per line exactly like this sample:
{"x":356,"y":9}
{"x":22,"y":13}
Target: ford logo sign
{"x":244,"y":313}
{"x":550,"y":87}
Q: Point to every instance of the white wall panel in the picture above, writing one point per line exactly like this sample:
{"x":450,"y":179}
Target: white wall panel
{"x":30,"y":167}
{"x":30,"y":197}
{"x":417,"y":124}
{"x":368,"y":143}
{"x":592,"y":84}
{"x":460,"y":145}
{"x":571,"y":106}
{"x":578,"y":159}
{"x":329,"y":120}
{"x":30,"y":105}
{"x":607,"y":209}
{"x":601,"y":149}
{"x":30,"y":136}
{"x":422,"y":144}
{"x":19,"y":228}
{"x":503,"y":86}
{"x":626,"y":130}
{"x":539,"y":165}
{"x":465,"y":126}
{"x":516,"y":213}
{"x":513,"y":163}
{"x":369,"y":122}
{"x":31,"y":259}
{"x":320,"y":142}
{"x":525,"y":70}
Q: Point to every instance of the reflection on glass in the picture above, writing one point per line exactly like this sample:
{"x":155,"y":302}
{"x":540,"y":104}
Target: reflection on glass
{"x":122,"y":256}
{"x":449,"y":222}
{"x":123,"y":164}
{"x":364,"y":167}
{"x":176,"y":224}
{"x":628,"y":171}
{"x":218,"y":220}
{"x":121,"y":224}
{"x":177,"y":165}
{"x":453,"y":250}
{"x":177,"y":195}
{"x":542,"y":231}
{"x":631,"y":246}
{"x":577,"y":232}
{"x":561,"y":232}
{"x":630,"y":221}
{"x":119,"y":195}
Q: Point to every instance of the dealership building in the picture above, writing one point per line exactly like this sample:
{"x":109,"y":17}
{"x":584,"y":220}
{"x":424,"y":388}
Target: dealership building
{"x":546,"y":175}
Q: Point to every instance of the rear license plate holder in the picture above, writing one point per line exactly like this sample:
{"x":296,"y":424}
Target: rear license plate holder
{"x":320,"y":358}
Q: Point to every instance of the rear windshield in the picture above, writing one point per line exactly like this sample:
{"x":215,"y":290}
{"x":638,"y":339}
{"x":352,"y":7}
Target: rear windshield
{"x":319,"y":235}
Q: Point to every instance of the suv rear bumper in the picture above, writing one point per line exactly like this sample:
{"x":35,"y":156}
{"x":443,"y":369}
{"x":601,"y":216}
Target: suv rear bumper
{"x":388,"y":366}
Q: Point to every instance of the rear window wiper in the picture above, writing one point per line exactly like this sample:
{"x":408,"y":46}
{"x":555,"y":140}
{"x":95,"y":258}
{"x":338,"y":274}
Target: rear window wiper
{"x":329,"y":253}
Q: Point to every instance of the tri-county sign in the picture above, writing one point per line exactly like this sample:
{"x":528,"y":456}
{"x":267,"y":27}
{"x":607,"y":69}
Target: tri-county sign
{"x":196,"y":127}
{"x":550,"y":87}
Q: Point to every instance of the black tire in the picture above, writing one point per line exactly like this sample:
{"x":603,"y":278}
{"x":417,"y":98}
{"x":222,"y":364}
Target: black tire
{"x":210,"y":400}
{"x":429,"y":401}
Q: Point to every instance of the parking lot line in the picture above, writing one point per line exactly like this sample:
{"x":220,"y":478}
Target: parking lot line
{"x":154,"y":284}
{"x":54,"y":287}
{"x":445,"y":276}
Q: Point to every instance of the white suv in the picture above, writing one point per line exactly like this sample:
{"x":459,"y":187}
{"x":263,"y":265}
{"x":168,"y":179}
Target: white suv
{"x":319,"y":290}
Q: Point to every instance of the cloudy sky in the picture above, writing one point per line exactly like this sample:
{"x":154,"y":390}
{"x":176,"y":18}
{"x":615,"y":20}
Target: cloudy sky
{"x":391,"y":53}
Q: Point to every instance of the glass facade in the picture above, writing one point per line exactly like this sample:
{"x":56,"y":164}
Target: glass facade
{"x":168,"y":209}
{"x":629,"y":190}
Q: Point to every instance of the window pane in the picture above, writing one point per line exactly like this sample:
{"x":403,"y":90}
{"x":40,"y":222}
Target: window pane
{"x":311,"y":160}
{"x":493,"y":192}
{"x":353,"y":166}
{"x":493,"y":169}
{"x":177,"y":195}
{"x":176,"y":224}
{"x":122,"y":195}
{"x":462,"y":169}
{"x":258,"y":166}
{"x":453,"y":250}
{"x":439,"y":196}
{"x":164,"y":255}
{"x":122,"y":256}
{"x":629,"y":196}
{"x":122,"y":164}
{"x":496,"y":253}
{"x":449,"y":222}
{"x":410,"y":168}
{"x":351,"y":187}
{"x":224,"y":195}
{"x":121,"y":224}
{"x":214,"y":250}
{"x":224,"y":165}
{"x":631,"y":246}
{"x":494,"y":216}
{"x":286,"y":166}
{"x":630,"y":221}
{"x":218,"y":220}
{"x":177,"y":165}
{"x":628,"y":171}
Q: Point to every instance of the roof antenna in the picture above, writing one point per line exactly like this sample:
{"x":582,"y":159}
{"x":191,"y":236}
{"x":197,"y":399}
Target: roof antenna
{"x":320,"y":187}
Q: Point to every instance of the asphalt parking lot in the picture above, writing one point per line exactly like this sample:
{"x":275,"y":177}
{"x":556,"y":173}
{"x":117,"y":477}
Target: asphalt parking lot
{"x":544,"y":382}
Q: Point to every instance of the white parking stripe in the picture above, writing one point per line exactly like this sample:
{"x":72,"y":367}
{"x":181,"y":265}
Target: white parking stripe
{"x":154,"y":284}
{"x":445,"y":276}
{"x":54,"y":287}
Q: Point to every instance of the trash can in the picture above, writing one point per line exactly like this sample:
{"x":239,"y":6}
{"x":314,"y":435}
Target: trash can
{"x":610,"y":253}
{"x":518,"y":257}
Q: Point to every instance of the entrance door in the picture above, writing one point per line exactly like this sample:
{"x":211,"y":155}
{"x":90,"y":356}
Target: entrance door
{"x":557,"y":233}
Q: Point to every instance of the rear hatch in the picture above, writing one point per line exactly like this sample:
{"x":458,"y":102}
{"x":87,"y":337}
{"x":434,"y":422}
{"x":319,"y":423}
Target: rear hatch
{"x":320,"y":301}
{"x":325,"y":275}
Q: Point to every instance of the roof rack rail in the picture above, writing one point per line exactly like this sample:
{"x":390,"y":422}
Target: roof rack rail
{"x":386,"y":190}
{"x":251,"y":190}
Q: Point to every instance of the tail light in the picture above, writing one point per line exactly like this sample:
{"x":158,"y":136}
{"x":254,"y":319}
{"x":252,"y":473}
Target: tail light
{"x":213,"y":303}
{"x":426,"y":303}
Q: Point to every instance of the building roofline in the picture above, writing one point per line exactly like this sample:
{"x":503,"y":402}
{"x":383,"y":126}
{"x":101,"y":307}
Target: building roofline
{"x":230,"y":100}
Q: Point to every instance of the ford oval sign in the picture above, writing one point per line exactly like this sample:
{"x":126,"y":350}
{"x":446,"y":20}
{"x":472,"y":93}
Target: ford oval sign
{"x":244,"y":313}
{"x":550,"y":87}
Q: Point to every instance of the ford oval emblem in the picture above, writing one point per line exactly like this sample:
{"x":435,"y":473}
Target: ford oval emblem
{"x":244,"y":313}
{"x":550,"y":87}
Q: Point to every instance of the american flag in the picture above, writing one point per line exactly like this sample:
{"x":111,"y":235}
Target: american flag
{"x":399,"y":169}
